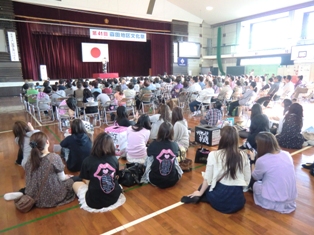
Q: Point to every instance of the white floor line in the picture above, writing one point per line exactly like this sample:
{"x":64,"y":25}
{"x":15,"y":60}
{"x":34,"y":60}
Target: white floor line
{"x":36,"y":120}
{"x":125,"y":226}
{"x":301,"y":150}
{"x":5,"y":131}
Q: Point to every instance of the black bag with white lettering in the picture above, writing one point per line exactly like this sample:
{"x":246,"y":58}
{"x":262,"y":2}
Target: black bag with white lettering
{"x":201,"y":155}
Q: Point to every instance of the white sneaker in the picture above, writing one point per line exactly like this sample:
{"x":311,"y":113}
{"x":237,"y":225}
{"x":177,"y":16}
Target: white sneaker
{"x":194,"y":113}
{"x":12,"y":196}
{"x":199,"y":112}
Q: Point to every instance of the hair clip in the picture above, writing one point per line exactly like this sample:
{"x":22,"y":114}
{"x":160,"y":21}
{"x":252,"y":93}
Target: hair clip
{"x":33,"y":144}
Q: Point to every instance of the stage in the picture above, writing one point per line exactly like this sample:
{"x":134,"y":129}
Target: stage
{"x":105,"y":75}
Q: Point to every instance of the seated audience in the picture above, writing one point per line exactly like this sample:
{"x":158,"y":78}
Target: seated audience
{"x":259,"y":122}
{"x":180,"y":127}
{"x":244,"y":99}
{"x":213,"y":115}
{"x":275,"y":87}
{"x":57,"y":187}
{"x":69,"y":91}
{"x":162,"y":168}
{"x":22,"y":132}
{"x":79,"y":145}
{"x":107,"y":89}
{"x":288,"y":88}
{"x":237,"y":91}
{"x":164,"y":115}
{"x":130,"y":92}
{"x":123,"y":117}
{"x":194,"y":88}
{"x":204,"y":97}
{"x":289,"y":133}
{"x":119,"y":96}
{"x":95,"y":87}
{"x":137,"y":137}
{"x":275,"y":186}
{"x":227,"y":171}
{"x":100,"y":191}
{"x":43,"y":99}
{"x":225,"y":92}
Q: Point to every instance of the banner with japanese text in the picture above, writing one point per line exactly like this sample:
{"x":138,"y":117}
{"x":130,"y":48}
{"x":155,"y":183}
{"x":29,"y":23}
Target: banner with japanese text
{"x":14,"y":54}
{"x":117,"y":35}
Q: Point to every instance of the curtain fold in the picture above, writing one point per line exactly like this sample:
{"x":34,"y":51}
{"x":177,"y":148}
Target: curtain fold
{"x":160,"y":54}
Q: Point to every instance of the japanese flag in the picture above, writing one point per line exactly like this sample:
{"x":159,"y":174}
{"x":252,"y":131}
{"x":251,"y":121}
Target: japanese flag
{"x":94,"y":52}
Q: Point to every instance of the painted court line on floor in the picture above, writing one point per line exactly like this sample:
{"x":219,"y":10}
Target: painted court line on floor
{"x":149,"y":216}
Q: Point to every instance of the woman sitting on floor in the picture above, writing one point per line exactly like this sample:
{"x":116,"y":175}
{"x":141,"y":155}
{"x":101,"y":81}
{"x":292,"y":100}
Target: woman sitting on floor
{"x":227,"y":171}
{"x":137,"y":137}
{"x":22,"y":132}
{"x":46,"y":170}
{"x":275,"y":188}
{"x":259,"y":122}
{"x":123,"y":117}
{"x":290,"y":131}
{"x":79,"y":145}
{"x":180,"y":126}
{"x":162,"y":167}
{"x":164,"y":115}
{"x":100,"y":191}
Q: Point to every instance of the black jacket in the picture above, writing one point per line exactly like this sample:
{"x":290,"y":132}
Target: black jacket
{"x":80,"y":147}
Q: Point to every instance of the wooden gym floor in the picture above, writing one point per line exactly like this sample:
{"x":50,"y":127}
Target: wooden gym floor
{"x":148,"y":210}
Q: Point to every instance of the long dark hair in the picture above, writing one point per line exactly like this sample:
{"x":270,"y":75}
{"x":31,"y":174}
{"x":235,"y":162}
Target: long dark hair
{"x":177,"y":115}
{"x":121,"y":113}
{"x":229,"y":143}
{"x":38,"y":143}
{"x":119,"y":89}
{"x":165,"y":132}
{"x":103,"y":146}
{"x":20,"y":129}
{"x":78,"y":127}
{"x":266,"y":143}
{"x":142,"y":122}
{"x":256,"y":109}
{"x":296,"y":109}
{"x":286,"y":105}
{"x":86,"y":94}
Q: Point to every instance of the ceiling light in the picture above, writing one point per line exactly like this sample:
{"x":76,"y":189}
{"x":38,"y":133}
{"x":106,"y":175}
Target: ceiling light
{"x":209,"y":8}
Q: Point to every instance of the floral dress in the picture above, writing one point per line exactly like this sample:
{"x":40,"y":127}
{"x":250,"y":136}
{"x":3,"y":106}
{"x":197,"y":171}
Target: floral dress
{"x":290,"y":136}
{"x":54,"y":192}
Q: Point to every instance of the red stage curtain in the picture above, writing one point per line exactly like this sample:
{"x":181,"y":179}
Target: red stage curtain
{"x":160,"y":49}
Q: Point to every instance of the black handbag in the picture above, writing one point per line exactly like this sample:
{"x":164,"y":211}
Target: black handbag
{"x":131,"y":174}
{"x":201,"y":155}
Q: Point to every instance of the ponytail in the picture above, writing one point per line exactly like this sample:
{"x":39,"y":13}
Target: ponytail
{"x":37,"y":142}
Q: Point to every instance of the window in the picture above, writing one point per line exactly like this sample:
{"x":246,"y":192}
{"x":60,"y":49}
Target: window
{"x":3,"y":41}
{"x":260,"y":61}
{"x":271,"y":34}
{"x":308,"y":25}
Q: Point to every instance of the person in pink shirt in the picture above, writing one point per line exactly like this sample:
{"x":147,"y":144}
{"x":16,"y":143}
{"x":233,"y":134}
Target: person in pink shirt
{"x":137,"y":137}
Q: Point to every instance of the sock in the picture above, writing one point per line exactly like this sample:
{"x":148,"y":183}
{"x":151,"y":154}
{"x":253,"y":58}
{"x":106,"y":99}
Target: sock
{"x":12,"y":196}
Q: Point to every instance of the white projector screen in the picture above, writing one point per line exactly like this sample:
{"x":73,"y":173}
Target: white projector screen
{"x":189,"y":50}
{"x":94,"y":52}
